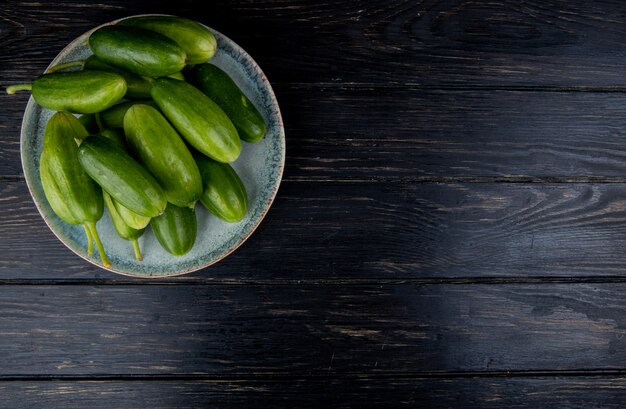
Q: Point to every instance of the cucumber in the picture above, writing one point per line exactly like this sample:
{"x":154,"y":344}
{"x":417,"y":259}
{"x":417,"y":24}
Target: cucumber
{"x":72,"y":194}
{"x":224,"y":194}
{"x":114,"y":116}
{"x":121,"y":176}
{"x":54,"y":194}
{"x":196,"y":40}
{"x":132,"y":219}
{"x":83,"y":92}
{"x":218,"y":86}
{"x":136,"y":87}
{"x":116,"y":135}
{"x":197,"y":118}
{"x":139,"y":51}
{"x":176,"y":229}
{"x":161,"y":150}
{"x":123,"y":230}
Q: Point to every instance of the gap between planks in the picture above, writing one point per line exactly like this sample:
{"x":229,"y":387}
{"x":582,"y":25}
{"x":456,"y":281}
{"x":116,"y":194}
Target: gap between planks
{"x":280,"y":377}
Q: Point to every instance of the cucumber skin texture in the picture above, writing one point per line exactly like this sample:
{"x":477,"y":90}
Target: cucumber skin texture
{"x":162,"y":151}
{"x":123,"y":230}
{"x":176,"y":229}
{"x":218,"y":86}
{"x":198,"y":119}
{"x":196,"y":40}
{"x":72,"y":194}
{"x":114,"y":116}
{"x":139,"y":51}
{"x":121,"y":176}
{"x":83,"y":92}
{"x":224,"y":194}
{"x":136,"y":86}
{"x":131,"y":218}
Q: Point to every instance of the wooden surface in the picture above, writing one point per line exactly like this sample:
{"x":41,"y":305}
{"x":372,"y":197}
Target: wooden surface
{"x":450,"y":231}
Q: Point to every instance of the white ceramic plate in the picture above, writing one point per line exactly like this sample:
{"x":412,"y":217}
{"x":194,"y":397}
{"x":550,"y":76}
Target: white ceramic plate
{"x":260,"y":166}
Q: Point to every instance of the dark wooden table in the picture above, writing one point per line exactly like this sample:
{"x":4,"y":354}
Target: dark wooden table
{"x":450,"y":231}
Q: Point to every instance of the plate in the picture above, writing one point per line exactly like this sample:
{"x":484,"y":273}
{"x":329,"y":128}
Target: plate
{"x":260,"y":167}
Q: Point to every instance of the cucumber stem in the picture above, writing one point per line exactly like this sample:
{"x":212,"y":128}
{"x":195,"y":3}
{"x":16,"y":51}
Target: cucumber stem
{"x":89,"y":241}
{"x":137,"y":250}
{"x":94,"y":233}
{"x":99,"y":121}
{"x":12,"y":89}
{"x":63,"y":66}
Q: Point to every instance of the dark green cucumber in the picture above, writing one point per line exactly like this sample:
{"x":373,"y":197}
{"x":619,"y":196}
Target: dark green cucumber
{"x":218,"y":86}
{"x":89,"y":122}
{"x":196,"y":40}
{"x":72,"y":194}
{"x":116,"y":135}
{"x":224,"y":194}
{"x":176,"y":229}
{"x":121,"y":176}
{"x":81,"y":194}
{"x":197,"y":118}
{"x":114,"y":116}
{"x":162,"y":151}
{"x":137,"y":87}
{"x":84,"y":92}
{"x":123,"y":230}
{"x":139,"y":51}
{"x":132,"y":219}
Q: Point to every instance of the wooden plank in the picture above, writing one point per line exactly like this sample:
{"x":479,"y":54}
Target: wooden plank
{"x":373,"y":231}
{"x":310,"y":329}
{"x":505,"y":43}
{"x":492,"y":393}
{"x":369,"y":133}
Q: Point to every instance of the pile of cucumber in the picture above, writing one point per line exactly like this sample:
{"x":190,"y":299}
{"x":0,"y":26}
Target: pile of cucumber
{"x":149,"y":144}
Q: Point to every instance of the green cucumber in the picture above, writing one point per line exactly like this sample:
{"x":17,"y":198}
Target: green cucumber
{"x":72,"y":194}
{"x":139,"y":51}
{"x":123,"y":230}
{"x":132,"y":219}
{"x":116,"y":135}
{"x":114,"y":116}
{"x":197,"y":118}
{"x":176,"y":229}
{"x":162,"y":151}
{"x":224,"y":194}
{"x":218,"y":86}
{"x":137,"y":87}
{"x":121,"y":176}
{"x":84,"y":92}
{"x":54,"y":194}
{"x":196,"y":40}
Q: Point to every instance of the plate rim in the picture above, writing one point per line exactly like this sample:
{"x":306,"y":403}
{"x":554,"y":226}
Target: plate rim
{"x":281,"y":166}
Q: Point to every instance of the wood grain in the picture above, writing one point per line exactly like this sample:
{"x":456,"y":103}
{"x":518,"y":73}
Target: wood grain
{"x":381,"y":231}
{"x":372,"y":133}
{"x":323,"y":330}
{"x":343,"y":393}
{"x":458,"y":43}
